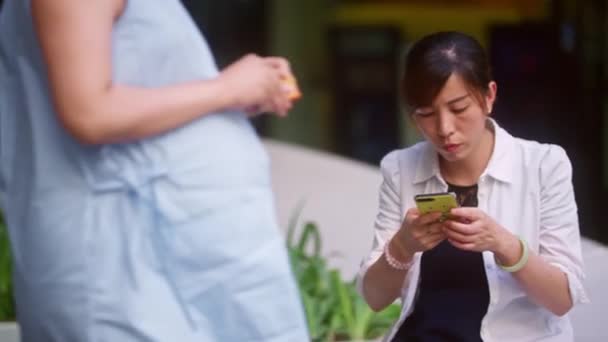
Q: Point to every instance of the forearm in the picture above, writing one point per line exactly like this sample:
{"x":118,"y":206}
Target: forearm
{"x":544,"y":283}
{"x":382,"y":283}
{"x":122,"y":113}
{"x":74,"y":35}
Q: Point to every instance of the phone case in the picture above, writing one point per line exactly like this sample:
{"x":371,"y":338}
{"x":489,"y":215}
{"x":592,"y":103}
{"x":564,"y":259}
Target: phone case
{"x":442,"y":202}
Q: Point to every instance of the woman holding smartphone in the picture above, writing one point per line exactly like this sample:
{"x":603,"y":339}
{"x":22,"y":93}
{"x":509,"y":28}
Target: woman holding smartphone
{"x":506,"y":265}
{"x":137,"y":193}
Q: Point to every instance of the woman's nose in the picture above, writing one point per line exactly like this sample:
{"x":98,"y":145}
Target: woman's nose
{"x":445,"y":124}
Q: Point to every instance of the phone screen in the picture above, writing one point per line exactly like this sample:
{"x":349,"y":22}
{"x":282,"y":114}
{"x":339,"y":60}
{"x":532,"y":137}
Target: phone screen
{"x":439,"y":202}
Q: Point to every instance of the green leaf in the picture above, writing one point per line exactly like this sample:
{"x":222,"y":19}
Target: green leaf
{"x":363,"y":316}
{"x":293,"y":221}
{"x":310,"y":231}
{"x":334,"y":310}
{"x":335,"y":323}
{"x":345,"y":303}
{"x":7,"y":303}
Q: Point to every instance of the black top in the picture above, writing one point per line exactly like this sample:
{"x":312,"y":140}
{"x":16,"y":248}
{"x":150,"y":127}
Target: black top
{"x":453,"y":295}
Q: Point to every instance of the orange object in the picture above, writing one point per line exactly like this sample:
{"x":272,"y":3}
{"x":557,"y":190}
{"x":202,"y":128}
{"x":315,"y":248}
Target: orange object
{"x":294,"y":91}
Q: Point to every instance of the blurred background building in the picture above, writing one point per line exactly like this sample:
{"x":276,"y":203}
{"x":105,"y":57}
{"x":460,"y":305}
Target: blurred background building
{"x":549,"y":57}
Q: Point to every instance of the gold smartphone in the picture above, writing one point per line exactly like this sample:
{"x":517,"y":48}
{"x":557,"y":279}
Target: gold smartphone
{"x":438,"y":202}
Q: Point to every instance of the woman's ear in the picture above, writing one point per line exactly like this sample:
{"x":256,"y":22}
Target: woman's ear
{"x":491,"y":96}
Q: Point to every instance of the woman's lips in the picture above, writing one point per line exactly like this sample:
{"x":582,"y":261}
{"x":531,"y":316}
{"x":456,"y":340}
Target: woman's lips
{"x":451,"y":147}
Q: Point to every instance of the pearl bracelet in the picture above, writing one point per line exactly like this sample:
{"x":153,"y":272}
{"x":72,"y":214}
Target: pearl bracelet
{"x":525,"y":253}
{"x":393,"y":262}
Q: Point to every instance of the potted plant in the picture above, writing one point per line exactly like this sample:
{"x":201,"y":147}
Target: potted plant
{"x":334,"y":310}
{"x":8,"y":327}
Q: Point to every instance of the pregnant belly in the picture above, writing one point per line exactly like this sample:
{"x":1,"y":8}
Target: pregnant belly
{"x":219,"y":150}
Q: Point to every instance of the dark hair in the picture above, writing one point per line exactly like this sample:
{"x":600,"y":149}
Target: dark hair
{"x":431,"y":61}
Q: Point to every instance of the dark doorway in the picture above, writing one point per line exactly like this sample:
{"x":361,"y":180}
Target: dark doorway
{"x":233,"y":29}
{"x":364,"y":74}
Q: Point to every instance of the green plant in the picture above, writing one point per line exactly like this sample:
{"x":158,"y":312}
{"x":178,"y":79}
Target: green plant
{"x":7,"y":304}
{"x":334,"y":310}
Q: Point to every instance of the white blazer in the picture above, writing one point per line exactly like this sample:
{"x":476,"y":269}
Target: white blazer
{"x":527,"y":188}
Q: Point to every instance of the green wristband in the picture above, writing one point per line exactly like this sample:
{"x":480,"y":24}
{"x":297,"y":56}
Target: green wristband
{"x":522,"y":261}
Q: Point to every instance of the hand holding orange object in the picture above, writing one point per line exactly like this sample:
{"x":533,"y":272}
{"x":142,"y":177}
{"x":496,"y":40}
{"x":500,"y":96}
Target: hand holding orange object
{"x":262,"y":85}
{"x":292,"y":87}
{"x":287,"y":78}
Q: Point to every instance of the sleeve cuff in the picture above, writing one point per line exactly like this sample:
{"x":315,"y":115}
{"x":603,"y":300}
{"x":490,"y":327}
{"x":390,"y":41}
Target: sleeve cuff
{"x":578,"y":295}
{"x":365,"y":265}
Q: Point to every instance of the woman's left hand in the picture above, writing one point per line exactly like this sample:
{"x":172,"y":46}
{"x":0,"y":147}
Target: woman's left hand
{"x":471,"y":229}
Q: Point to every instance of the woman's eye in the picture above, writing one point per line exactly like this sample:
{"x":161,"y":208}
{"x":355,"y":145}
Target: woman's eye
{"x":424,"y":114}
{"x":460,"y":109}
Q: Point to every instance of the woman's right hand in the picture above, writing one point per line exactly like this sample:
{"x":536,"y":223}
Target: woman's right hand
{"x":383,"y":283}
{"x":257,"y":84}
{"x":418,"y":233}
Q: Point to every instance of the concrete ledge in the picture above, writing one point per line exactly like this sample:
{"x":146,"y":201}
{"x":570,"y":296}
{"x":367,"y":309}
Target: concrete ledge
{"x":9,"y":332}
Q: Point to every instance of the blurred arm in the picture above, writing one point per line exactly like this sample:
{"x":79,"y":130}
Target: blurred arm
{"x":75,"y":37}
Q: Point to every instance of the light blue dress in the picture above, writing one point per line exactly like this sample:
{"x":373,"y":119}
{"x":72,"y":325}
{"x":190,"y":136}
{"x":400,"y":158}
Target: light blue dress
{"x":172,"y":238}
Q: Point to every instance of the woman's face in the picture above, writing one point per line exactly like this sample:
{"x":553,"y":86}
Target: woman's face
{"x":455,"y":122}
